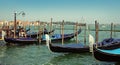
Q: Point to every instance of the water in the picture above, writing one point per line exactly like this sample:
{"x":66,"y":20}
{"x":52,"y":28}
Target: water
{"x":41,"y":55}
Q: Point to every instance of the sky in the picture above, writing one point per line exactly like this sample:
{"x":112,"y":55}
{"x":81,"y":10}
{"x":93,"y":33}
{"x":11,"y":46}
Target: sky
{"x":86,"y":11}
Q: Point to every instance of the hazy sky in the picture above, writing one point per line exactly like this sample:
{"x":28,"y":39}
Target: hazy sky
{"x":104,"y":11}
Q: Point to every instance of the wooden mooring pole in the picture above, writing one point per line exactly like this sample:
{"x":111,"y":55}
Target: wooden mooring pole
{"x":62,"y":28}
{"x":29,"y":28}
{"x":111,"y":30}
{"x":76,"y":32}
{"x":51,"y":25}
{"x":96,"y":32}
{"x":15,"y":25}
{"x":85,"y":35}
{"x":37,"y":28}
{"x":114,"y":26}
{"x":40,"y":31}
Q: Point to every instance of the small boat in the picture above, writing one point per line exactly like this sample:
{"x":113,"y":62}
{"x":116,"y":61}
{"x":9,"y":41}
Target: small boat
{"x":108,"y":50}
{"x":109,"y":43}
{"x":20,"y":41}
{"x":58,"y":37}
{"x":111,"y":55}
{"x":66,"y":48}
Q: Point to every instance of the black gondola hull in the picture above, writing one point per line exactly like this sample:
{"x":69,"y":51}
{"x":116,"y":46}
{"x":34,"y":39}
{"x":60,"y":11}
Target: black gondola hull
{"x":69,"y":48}
{"x":18,"y":41}
{"x":102,"y":56}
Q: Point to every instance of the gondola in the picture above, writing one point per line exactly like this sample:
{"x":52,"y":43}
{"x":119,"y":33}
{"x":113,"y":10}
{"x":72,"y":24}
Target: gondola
{"x":109,"y":51}
{"x":35,"y":34}
{"x":20,"y":41}
{"x":58,"y":37}
{"x":109,"y":43}
{"x":29,"y":40}
{"x":69,"y":48}
{"x":112,"y":55}
{"x":66,"y":48}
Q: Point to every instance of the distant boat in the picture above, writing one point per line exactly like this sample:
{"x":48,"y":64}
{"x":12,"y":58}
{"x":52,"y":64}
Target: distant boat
{"x":109,"y":51}
{"x":103,"y":26}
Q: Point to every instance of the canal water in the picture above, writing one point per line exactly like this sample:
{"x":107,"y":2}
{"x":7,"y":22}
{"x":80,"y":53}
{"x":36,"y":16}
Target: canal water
{"x":41,"y":55}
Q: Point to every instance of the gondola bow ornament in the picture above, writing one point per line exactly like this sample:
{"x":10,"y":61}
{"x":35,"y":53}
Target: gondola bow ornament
{"x":91,"y":42}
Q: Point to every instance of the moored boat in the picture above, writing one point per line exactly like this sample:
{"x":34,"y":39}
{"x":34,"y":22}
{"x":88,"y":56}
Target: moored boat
{"x":109,"y":43}
{"x":58,"y":37}
{"x":20,"y":41}
{"x":69,"y":48}
{"x":111,"y":55}
{"x":108,"y":50}
{"x":66,"y":48}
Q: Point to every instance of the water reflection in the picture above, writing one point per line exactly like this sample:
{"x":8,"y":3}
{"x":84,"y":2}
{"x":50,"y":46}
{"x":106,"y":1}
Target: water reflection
{"x":14,"y":55}
{"x":2,"y":51}
{"x":40,"y":55}
{"x":76,"y":59}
